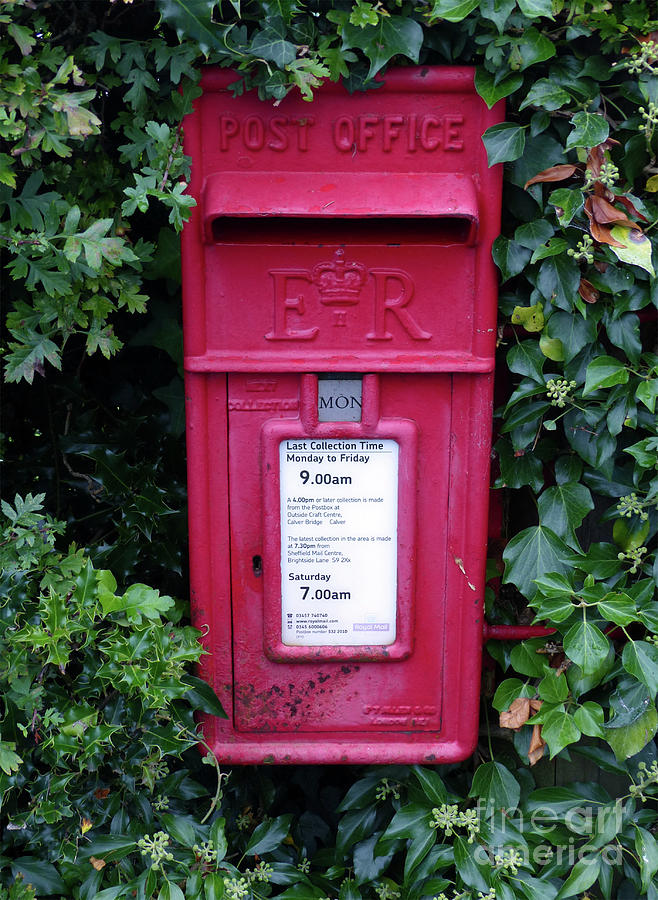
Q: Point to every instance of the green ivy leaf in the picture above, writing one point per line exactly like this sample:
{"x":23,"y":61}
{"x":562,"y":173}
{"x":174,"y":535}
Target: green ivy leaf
{"x":567,"y":202}
{"x":271,"y":43}
{"x":534,"y":47}
{"x":529,"y":317}
{"x":559,"y":729}
{"x":589,"y":130}
{"x":546,"y":94}
{"x":492,"y":90}
{"x":451,"y":10}
{"x":572,"y":331}
{"x":634,"y":721}
{"x":496,"y":784}
{"x":646,"y":848}
{"x":530,"y":554}
{"x":526,"y":658}
{"x":589,"y":719}
{"x":583,"y":875}
{"x":558,"y":281}
{"x":431,"y":783}
{"x":526,"y":358}
{"x":412,"y":821}
{"x":267,"y":836}
{"x":534,"y":234}
{"x":504,"y":142}
{"x":510,"y":257}
{"x":602,"y":372}
{"x":553,"y":688}
{"x":563,"y":507}
{"x":534,"y":9}
{"x":508,"y":691}
{"x":618,"y":608}
{"x":647,"y":393}
{"x":636,"y":248}
{"x":193,"y":20}
{"x":640,"y":659}
{"x":392,"y":36}
{"x":586,"y":645}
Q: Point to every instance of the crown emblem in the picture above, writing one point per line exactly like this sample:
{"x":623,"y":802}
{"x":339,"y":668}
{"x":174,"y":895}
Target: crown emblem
{"x":339,"y":282}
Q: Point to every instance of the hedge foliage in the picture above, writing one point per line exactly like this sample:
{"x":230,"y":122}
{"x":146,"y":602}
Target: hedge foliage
{"x":100,"y":789}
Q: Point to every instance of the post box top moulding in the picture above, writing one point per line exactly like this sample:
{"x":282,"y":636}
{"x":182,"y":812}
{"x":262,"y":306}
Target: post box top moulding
{"x":418,"y":119}
{"x":401,"y":167}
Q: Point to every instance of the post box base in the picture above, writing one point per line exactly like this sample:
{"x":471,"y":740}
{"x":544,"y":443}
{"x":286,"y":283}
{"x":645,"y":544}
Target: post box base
{"x":400,"y":749}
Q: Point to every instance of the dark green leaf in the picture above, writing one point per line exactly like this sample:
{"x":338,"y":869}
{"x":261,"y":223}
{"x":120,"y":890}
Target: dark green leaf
{"x":563,"y":507}
{"x":558,"y":730}
{"x":586,"y":645}
{"x":510,"y":257}
{"x":451,"y":10}
{"x":558,"y":281}
{"x":202,"y":697}
{"x":268,"y":836}
{"x":589,"y":130}
{"x":583,"y":875}
{"x":641,"y":659}
{"x":530,"y":554}
{"x":492,"y":90}
{"x":411,"y":821}
{"x":43,"y":876}
{"x":572,"y":331}
{"x":634,"y":721}
{"x":503,"y":142}
{"x":495,"y":784}
{"x":392,"y":36}
{"x":430,"y":782}
{"x":367,"y":865}
{"x":567,"y":202}
{"x":546,"y":94}
{"x":534,"y":234}
{"x":604,"y":371}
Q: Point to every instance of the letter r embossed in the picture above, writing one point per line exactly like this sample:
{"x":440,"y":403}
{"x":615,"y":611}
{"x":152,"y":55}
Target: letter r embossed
{"x":395,"y":305}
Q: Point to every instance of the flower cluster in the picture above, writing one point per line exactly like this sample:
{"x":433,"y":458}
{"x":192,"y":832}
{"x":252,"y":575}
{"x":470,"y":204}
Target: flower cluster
{"x":643,"y":58}
{"x":558,"y":390}
{"x":205,"y":852}
{"x":629,"y":506}
{"x":510,"y":860}
{"x":646,"y":776}
{"x":584,"y":248}
{"x":386,"y":892}
{"x":155,"y":846}
{"x":448,"y":819}
{"x":236,"y":888}
{"x":650,"y":116}
{"x":386,"y":789}
{"x":634,"y":556}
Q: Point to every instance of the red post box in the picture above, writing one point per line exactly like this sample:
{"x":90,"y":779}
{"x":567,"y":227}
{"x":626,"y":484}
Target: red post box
{"x":340,"y":325}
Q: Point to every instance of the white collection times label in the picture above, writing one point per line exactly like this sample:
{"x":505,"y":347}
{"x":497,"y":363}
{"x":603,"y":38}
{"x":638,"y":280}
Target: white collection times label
{"x":339,"y":519}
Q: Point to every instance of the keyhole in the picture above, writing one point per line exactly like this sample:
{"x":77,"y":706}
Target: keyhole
{"x":257,"y":565}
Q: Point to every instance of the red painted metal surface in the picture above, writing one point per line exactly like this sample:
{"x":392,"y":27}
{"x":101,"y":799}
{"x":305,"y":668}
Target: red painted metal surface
{"x":350,"y":235}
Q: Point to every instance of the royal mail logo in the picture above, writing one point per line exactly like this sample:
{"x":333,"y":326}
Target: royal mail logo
{"x":340,"y":283}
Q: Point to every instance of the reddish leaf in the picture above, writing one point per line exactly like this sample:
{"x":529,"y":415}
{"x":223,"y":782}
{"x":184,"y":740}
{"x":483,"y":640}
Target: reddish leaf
{"x":630,"y":208}
{"x":537,"y":745}
{"x":605,"y":213}
{"x":601,"y":233}
{"x":587,"y":291}
{"x":555,"y":173}
{"x":519,"y":712}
